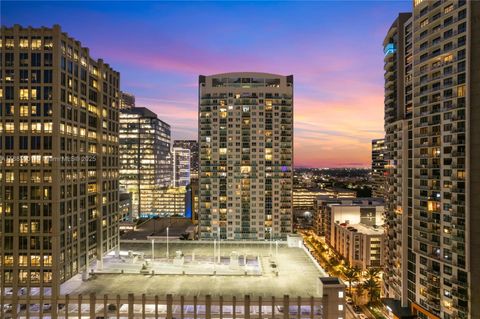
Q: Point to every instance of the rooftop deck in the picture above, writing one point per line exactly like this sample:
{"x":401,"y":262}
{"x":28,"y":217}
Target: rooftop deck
{"x":266,"y":273}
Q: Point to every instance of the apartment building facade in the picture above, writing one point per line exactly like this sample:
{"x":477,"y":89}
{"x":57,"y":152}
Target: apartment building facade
{"x":192,"y":146}
{"x":398,"y":66}
{"x":378,"y":168}
{"x":438,"y":272}
{"x":246,"y":155}
{"x":59,"y":159}
{"x":181,"y":166}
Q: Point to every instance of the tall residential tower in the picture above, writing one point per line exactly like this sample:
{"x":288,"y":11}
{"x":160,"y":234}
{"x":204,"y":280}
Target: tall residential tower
{"x":437,"y":273}
{"x":246,"y":155}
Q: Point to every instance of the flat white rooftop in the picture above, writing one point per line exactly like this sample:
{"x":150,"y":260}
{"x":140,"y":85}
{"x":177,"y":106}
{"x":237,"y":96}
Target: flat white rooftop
{"x":260,"y":271}
{"x":363,"y":229}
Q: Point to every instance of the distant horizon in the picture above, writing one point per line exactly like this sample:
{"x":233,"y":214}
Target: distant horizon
{"x":333,"y":49}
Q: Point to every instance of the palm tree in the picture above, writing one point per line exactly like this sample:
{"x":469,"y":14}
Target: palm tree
{"x":352,"y":275}
{"x":373,"y":273}
{"x":373,"y":289}
{"x":358,"y":293}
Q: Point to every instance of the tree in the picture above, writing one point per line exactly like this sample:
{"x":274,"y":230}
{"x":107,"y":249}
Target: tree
{"x":373,"y":273}
{"x":351,"y":275}
{"x":373,"y":289}
{"x":358,"y":293}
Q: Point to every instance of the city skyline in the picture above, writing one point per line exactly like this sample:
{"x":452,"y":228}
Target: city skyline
{"x":160,"y":66}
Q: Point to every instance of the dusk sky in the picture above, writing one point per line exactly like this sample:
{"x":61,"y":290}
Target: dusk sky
{"x":333,"y":49}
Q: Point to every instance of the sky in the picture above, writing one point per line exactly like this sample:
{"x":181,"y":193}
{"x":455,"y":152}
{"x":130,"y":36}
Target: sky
{"x":333,"y":49}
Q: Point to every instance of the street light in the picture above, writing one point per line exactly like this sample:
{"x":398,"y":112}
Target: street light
{"x":167,"y":244}
{"x":153,"y":249}
{"x":219,"y":240}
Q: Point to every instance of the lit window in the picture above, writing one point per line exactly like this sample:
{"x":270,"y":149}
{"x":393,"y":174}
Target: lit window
{"x":36,"y":44}
{"x":23,"y":43}
{"x":24,"y":110}
{"x":47,"y":127}
{"x":424,"y":23}
{"x":23,"y":127}
{"x":23,"y":94}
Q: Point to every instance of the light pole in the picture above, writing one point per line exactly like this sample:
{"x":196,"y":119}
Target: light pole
{"x":167,"y":245}
{"x":214,"y":250}
{"x":153,"y":250}
{"x":270,"y":250}
{"x":276,"y":249}
{"x":219,"y":255}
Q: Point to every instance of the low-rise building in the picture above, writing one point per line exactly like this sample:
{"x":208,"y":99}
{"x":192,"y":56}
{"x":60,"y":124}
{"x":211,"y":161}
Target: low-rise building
{"x":353,"y":228}
{"x":304,"y":203}
{"x":360,"y":245}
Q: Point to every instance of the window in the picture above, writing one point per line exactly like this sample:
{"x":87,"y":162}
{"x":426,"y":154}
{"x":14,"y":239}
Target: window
{"x":47,"y":59}
{"x":23,"y":43}
{"x":36,"y":43}
{"x":24,"y":110}
{"x":424,"y":23}
{"x":36,"y":59}
{"x":448,"y":9}
{"x":23,"y":94}
{"x":47,"y":76}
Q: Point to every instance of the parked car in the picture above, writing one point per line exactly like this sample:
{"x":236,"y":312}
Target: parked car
{"x":357,"y":309}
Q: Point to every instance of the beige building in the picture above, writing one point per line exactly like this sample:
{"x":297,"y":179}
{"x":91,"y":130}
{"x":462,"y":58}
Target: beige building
{"x":432,"y":138}
{"x":362,"y":246}
{"x":246,"y":155}
{"x":355,"y":231}
{"x":59,"y":159}
{"x":347,"y":210}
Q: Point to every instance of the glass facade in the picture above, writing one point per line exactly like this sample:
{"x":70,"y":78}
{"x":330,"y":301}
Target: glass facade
{"x":145,"y":158}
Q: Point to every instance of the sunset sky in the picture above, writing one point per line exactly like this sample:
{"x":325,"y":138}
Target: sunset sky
{"x":333,"y":49}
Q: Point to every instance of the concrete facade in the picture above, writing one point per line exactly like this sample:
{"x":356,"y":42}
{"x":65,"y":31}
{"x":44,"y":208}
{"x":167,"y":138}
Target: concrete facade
{"x":432,"y":211}
{"x":246,"y":155}
{"x":59,"y":159}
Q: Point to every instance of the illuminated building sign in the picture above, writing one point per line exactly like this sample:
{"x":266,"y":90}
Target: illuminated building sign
{"x":389,"y":49}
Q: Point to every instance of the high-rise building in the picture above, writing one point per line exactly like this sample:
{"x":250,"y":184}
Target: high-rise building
{"x":398,"y":50}
{"x":59,"y":159}
{"x":181,"y":167}
{"x":434,"y":159}
{"x":145,"y":158}
{"x":127,"y":101}
{"x":246,"y":155}
{"x":125,"y":207}
{"x":378,"y":168}
{"x":171,"y":201}
{"x":191,"y":145}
